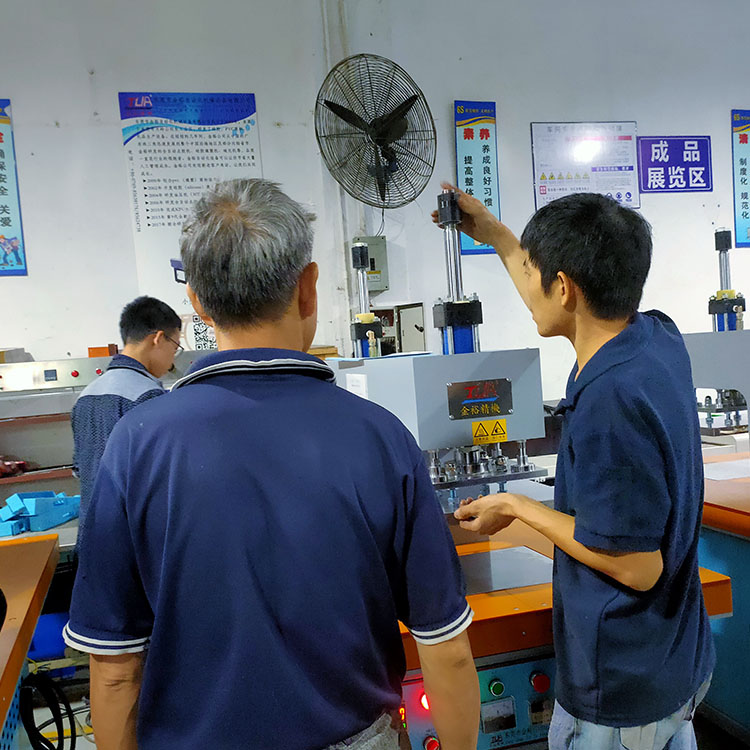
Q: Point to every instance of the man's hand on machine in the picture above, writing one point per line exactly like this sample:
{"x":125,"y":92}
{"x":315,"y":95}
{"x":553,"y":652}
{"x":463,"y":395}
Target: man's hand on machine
{"x":488,"y":514}
{"x":477,"y":220}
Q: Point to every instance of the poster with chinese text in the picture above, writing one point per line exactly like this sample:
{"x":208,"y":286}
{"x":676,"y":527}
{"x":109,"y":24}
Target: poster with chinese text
{"x":476,"y":161}
{"x":12,"y":248}
{"x":585,"y":157}
{"x":740,"y":156}
{"x":675,"y":164}
{"x":177,"y":146}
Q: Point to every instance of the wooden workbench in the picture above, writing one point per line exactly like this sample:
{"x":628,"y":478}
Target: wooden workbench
{"x":26,"y":569}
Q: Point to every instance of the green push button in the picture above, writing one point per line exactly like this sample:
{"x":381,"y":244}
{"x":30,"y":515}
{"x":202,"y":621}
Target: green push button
{"x":497,"y":688}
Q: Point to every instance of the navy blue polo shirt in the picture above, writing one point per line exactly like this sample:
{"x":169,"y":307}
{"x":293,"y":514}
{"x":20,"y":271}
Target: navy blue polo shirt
{"x":260,"y":532}
{"x":631,"y":472}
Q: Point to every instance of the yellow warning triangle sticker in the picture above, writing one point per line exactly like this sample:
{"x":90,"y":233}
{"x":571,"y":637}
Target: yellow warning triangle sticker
{"x":569,"y":177}
{"x":552,"y":177}
{"x":560,"y":176}
{"x":543,"y":177}
{"x":585,"y":175}
{"x":498,"y":429}
{"x":481,"y":431}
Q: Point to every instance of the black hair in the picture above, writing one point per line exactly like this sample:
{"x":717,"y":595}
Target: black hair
{"x":605,"y":248}
{"x":146,"y":315}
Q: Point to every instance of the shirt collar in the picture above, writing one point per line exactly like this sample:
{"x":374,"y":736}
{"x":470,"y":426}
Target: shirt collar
{"x":257,"y":361}
{"x":622,"y":348}
{"x":123,"y":362}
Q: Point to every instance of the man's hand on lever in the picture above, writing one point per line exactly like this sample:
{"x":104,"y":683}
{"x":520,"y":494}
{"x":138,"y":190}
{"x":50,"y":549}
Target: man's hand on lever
{"x":481,"y":225}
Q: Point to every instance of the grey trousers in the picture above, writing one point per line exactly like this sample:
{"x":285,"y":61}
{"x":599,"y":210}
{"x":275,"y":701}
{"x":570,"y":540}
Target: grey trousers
{"x":378,"y":736}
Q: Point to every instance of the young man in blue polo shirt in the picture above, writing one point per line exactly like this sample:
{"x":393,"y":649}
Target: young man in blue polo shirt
{"x":150,"y":331}
{"x":632,"y":638}
{"x":255,"y":537}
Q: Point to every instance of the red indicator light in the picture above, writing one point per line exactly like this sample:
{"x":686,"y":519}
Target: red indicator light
{"x":75,"y":373}
{"x":99,"y":370}
{"x":425,"y":702}
{"x":431,"y":743}
{"x":540,"y":682}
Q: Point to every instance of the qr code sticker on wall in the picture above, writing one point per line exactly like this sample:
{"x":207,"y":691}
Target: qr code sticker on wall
{"x":203,"y":335}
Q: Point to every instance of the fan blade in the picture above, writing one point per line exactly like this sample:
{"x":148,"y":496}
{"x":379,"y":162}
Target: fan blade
{"x":347,"y":115}
{"x":379,"y":174}
{"x":385,"y":128}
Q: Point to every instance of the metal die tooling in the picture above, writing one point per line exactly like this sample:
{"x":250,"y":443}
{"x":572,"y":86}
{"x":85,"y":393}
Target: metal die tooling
{"x":460,"y":409}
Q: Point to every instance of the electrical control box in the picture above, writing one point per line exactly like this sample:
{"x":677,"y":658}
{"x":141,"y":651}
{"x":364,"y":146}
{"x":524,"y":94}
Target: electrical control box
{"x":517,"y":699}
{"x":377,"y":273}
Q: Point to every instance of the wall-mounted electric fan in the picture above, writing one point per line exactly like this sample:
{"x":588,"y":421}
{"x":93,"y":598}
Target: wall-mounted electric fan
{"x":375,"y":131}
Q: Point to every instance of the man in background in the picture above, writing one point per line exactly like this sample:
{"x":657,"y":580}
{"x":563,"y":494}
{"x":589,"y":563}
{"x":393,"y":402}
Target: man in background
{"x":150,"y":331}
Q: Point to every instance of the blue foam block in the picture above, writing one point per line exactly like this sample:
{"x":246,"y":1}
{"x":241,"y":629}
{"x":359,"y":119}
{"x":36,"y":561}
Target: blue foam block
{"x":64,"y":508}
{"x":13,"y":507}
{"x":11,"y":528}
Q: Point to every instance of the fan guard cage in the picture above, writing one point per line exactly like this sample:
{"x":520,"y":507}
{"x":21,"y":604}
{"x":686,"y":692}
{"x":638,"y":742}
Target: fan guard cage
{"x":372,"y":86}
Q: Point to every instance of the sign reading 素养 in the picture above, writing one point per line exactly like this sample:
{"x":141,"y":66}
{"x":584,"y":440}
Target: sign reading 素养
{"x":476,"y":161}
{"x":675,"y":164}
{"x":12,"y":249}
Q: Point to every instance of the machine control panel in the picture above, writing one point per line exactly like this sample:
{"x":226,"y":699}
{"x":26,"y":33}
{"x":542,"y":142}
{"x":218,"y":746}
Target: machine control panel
{"x":517,"y":701}
{"x":20,"y":377}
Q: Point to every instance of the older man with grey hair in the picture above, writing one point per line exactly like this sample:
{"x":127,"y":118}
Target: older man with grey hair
{"x":255,"y":537}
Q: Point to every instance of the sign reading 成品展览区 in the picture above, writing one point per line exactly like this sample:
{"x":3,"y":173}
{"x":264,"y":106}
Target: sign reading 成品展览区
{"x":12,"y":248}
{"x":476,"y":161}
{"x":675,"y":164}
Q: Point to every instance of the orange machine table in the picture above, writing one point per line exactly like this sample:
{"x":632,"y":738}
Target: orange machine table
{"x":727,"y":504}
{"x":521,"y":618}
{"x":26,"y":569}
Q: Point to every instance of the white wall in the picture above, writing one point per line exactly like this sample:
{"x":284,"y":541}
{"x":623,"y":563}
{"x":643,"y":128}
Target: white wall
{"x":62,"y":67}
{"x":676,"y":67}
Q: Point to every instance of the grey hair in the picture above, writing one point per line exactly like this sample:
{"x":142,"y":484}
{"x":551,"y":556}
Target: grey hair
{"x":244,"y":250}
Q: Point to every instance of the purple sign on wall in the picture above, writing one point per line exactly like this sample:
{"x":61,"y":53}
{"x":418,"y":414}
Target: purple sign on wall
{"x":675,"y":164}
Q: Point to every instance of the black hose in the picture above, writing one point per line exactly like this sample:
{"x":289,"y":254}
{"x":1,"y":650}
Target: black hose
{"x":53,"y":695}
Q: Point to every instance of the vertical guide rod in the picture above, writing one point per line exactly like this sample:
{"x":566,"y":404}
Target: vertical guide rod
{"x":364,"y":291}
{"x":449,"y":217}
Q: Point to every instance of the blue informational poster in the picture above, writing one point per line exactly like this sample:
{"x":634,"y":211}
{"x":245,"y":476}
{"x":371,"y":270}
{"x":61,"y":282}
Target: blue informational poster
{"x":740,"y":156}
{"x":177,"y":146}
{"x":12,"y":248}
{"x":675,"y":164}
{"x":476,"y":161}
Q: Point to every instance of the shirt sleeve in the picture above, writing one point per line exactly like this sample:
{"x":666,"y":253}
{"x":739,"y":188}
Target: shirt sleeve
{"x":109,"y":612}
{"x":620,"y":496}
{"x":434,"y":606}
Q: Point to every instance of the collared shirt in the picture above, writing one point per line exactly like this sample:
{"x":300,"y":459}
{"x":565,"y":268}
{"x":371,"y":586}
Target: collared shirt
{"x":630,"y":470}
{"x":261,"y":531}
{"x":125,"y":384}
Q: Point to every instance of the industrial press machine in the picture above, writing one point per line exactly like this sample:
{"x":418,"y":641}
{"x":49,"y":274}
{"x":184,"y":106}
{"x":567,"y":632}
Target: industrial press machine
{"x":464,"y":408}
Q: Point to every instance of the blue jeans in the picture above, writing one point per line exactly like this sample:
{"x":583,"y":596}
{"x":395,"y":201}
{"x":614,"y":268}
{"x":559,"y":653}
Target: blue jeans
{"x":675,"y":732}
